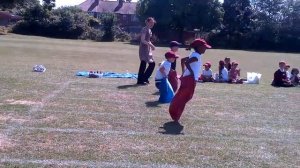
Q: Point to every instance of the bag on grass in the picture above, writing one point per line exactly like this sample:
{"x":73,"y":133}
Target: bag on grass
{"x":253,"y":78}
{"x":166,"y":91}
{"x":39,"y":68}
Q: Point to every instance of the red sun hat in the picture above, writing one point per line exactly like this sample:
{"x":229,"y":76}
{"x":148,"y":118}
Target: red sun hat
{"x":208,"y":63}
{"x":199,"y":42}
{"x":170,"y":54}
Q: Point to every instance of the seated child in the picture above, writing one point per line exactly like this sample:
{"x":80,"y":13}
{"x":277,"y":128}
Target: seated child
{"x":207,"y":74}
{"x":280,"y":77}
{"x":227,"y":63}
{"x":294,"y":77}
{"x":234,"y":74}
{"x":286,"y":68}
{"x":223,"y":73}
{"x":164,"y":68}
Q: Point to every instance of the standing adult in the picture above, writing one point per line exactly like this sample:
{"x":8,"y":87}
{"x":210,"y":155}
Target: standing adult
{"x":145,"y":53}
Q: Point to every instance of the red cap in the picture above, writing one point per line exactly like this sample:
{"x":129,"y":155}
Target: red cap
{"x":287,"y":65}
{"x":170,"y":54}
{"x":208,"y":63}
{"x":199,"y":42}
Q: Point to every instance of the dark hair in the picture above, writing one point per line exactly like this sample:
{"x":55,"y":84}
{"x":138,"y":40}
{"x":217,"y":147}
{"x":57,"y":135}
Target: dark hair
{"x":294,"y":70}
{"x":149,"y":19}
{"x":221,"y":66}
{"x":189,"y":48}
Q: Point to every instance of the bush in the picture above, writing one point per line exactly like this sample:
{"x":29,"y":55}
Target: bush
{"x":3,"y":30}
{"x":135,"y":37}
{"x":121,"y":35}
{"x":108,"y":22}
{"x":66,"y":22}
{"x":95,"y":34}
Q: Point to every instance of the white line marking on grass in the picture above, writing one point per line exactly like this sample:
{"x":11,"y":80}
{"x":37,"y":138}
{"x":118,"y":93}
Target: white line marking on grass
{"x":50,"y":96}
{"x":144,"y":133}
{"x":81,"y":163}
{"x":35,"y":108}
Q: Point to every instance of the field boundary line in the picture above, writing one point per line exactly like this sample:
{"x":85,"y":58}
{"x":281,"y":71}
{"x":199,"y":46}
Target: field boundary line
{"x":156,"y":133}
{"x":82,"y":163}
{"x":47,"y":98}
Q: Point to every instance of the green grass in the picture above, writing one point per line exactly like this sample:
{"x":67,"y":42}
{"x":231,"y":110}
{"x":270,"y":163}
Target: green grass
{"x":68,"y":121}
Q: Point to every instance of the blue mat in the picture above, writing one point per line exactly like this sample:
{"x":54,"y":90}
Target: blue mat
{"x":108,"y":75}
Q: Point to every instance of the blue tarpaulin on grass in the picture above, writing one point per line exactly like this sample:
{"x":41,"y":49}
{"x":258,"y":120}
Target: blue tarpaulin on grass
{"x":107,"y":75}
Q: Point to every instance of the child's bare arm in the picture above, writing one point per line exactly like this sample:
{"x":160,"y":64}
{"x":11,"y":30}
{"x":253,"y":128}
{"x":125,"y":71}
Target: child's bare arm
{"x":183,"y":60}
{"x":188,"y":62}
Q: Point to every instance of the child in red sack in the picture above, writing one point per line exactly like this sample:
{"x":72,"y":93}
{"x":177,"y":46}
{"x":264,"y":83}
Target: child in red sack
{"x":191,"y":71}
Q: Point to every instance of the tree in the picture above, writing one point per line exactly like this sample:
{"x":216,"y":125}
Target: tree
{"x":49,"y":4}
{"x":237,"y":17}
{"x":108,"y":22}
{"x":17,"y":6}
{"x":179,"y":15}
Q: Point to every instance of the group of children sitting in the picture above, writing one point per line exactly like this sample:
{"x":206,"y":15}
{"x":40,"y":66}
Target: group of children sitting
{"x":228,"y":72}
{"x":284,"y":78}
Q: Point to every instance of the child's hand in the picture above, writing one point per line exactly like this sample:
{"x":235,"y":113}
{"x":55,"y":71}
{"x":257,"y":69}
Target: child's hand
{"x":152,"y":47}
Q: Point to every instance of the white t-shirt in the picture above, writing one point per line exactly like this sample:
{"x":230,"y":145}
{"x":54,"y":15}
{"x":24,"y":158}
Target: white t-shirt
{"x":224,"y":74}
{"x":167,"y":65}
{"x":288,"y":75}
{"x":194,"y":65}
{"x":207,"y":72}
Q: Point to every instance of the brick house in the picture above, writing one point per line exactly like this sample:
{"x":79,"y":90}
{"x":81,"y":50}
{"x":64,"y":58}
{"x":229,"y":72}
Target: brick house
{"x":7,"y":18}
{"x":125,"y":12}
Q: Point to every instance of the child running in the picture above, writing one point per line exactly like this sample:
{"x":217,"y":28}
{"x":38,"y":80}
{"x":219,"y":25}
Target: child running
{"x":191,"y":66}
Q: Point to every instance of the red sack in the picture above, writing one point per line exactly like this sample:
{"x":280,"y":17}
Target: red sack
{"x":173,"y":80}
{"x":184,"y":94}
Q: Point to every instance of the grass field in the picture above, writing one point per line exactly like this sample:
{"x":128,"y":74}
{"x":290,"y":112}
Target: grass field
{"x":55,"y":119}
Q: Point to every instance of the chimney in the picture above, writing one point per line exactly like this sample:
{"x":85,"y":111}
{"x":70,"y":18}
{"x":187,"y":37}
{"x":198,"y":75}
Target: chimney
{"x":120,"y":5}
{"x":94,"y":4}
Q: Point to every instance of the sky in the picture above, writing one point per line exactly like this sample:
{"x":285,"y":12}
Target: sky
{"x":60,"y":3}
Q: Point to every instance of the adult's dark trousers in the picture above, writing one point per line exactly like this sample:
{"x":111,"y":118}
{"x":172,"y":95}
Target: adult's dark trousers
{"x":145,"y":72}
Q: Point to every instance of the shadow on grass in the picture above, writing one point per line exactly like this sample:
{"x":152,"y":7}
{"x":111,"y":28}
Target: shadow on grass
{"x":172,"y":128}
{"x":128,"y":86}
{"x":153,"y":104}
{"x":156,"y":93}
